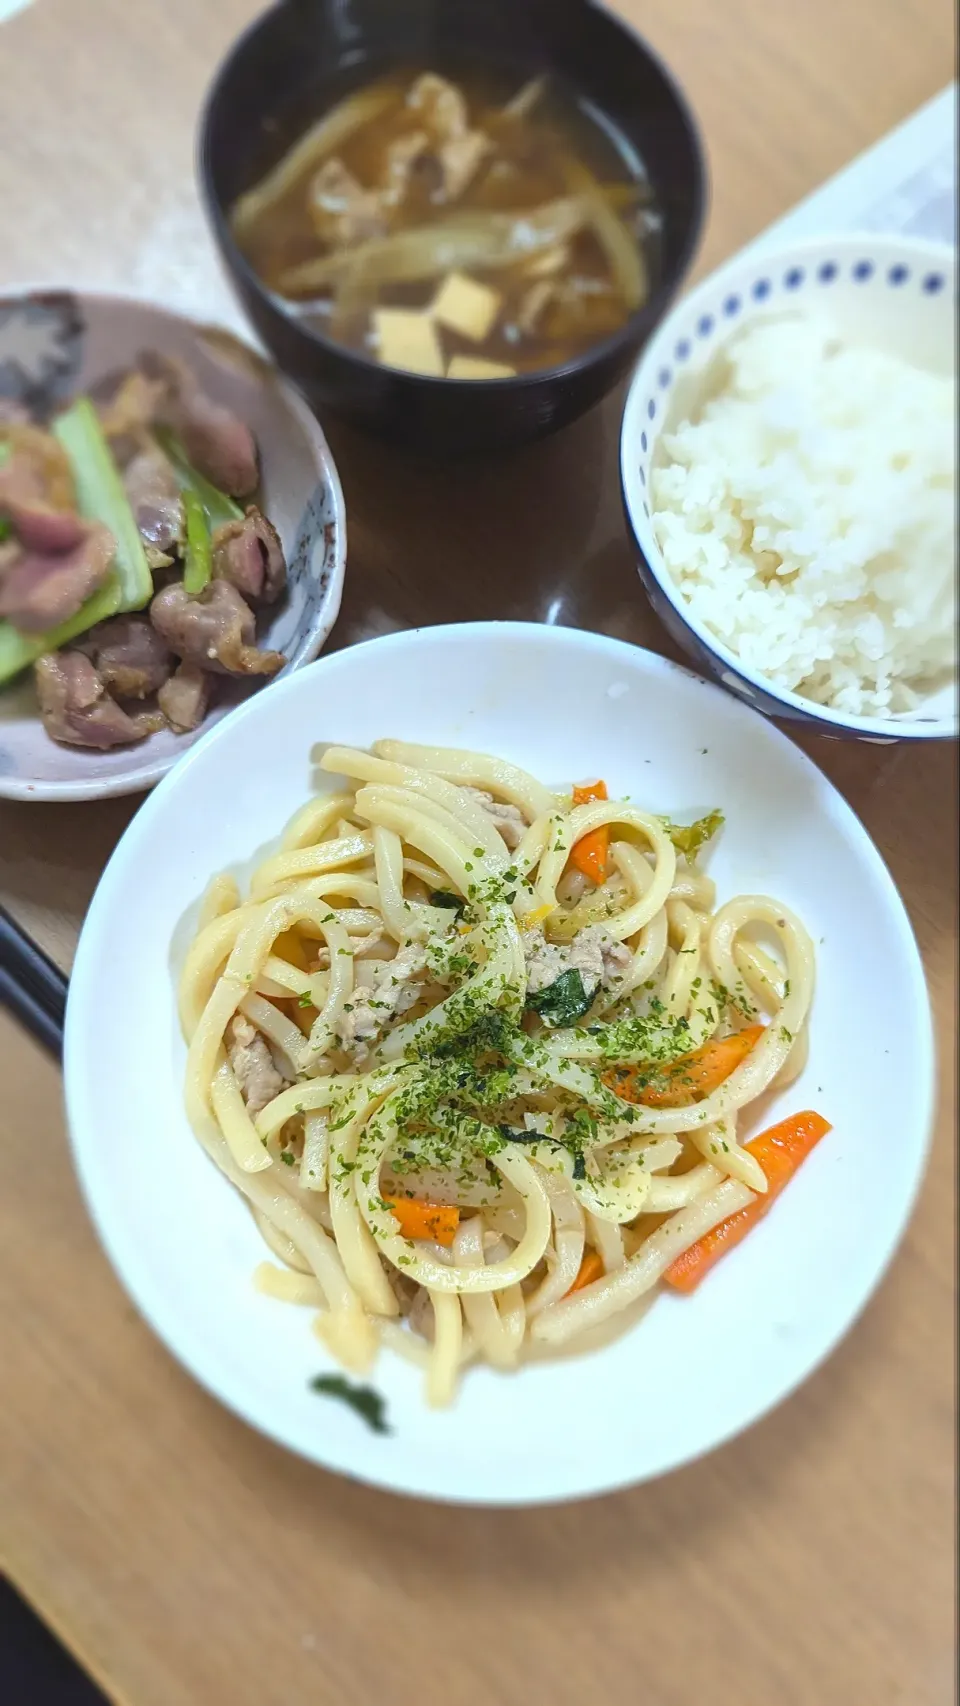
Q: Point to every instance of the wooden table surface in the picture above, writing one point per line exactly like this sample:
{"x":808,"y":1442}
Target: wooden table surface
{"x":186,"y":1561}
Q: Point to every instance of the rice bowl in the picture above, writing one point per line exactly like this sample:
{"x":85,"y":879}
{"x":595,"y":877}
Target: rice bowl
{"x":788,"y":469}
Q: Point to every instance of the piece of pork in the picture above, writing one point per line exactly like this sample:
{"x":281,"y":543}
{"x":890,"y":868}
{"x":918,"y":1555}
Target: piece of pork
{"x":254,"y":1067}
{"x":457,"y":149}
{"x":154,"y":493}
{"x":407,"y":156}
{"x":215,"y":630}
{"x":249,"y":555}
{"x":508,"y":820}
{"x":341,"y":210}
{"x":36,"y":492}
{"x":393,"y":989}
{"x":600,"y":960}
{"x":441,"y":104}
{"x":460,"y":158}
{"x":41,"y":590}
{"x":185,"y":698}
{"x":216,"y":441}
{"x":77,"y":709}
{"x":129,"y":656}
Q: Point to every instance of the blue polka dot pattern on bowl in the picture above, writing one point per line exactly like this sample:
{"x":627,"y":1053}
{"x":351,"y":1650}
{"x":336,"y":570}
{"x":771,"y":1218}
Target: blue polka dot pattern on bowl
{"x":862,"y":271}
{"x":651,"y":408}
{"x":827,"y":272}
{"x":898,"y":275}
{"x":664,"y":377}
{"x":731,"y":306}
{"x":933,"y":282}
{"x":794,"y":278}
{"x":682,"y":350}
{"x":705,"y":325}
{"x":761,"y":289}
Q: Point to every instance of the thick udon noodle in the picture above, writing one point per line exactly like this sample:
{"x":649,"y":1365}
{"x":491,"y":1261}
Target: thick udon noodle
{"x":463,"y":1099}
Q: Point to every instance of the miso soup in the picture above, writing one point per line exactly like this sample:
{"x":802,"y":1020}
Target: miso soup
{"x":456,"y":229}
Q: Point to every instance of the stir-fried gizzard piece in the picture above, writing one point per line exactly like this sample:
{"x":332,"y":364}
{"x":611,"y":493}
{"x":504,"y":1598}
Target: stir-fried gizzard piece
{"x":131,"y":572}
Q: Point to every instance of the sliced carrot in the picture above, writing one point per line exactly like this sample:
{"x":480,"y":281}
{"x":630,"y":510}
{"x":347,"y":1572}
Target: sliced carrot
{"x":590,"y":853}
{"x":686,"y":1079}
{"x":779,"y":1150}
{"x":416,"y":1219}
{"x":591,"y":1268}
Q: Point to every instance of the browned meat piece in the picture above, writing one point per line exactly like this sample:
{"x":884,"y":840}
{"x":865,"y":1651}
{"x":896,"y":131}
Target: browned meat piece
{"x":51,"y":467}
{"x":127,"y":418}
{"x":217,"y":442}
{"x":77,"y":709}
{"x":253,"y":1065}
{"x":36,"y":492}
{"x":442,"y":105}
{"x":406,"y":157}
{"x":184,"y":699}
{"x":214,"y":630}
{"x":249,"y":555}
{"x":129,"y":656}
{"x":341,"y":210}
{"x":457,"y":149}
{"x":460,"y":159}
{"x":154,"y":493}
{"x":40,"y":590}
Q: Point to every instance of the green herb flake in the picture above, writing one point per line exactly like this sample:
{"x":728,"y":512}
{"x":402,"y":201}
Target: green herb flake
{"x":443,"y":897}
{"x":564,"y":1001}
{"x":367,"y":1402}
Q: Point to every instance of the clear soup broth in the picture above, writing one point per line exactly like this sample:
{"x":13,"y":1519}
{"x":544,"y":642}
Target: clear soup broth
{"x":456,"y":227}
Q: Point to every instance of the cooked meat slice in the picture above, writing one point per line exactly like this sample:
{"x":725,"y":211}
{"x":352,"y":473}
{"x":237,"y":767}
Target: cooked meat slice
{"x":130,"y":413}
{"x":51,"y":465}
{"x":342,"y":211}
{"x":599,"y":959}
{"x":391,"y":992}
{"x":459,"y":159}
{"x":442,"y":105}
{"x":509,"y":820}
{"x":254,"y":1067}
{"x":154,"y":493}
{"x":129,"y":656}
{"x":77,"y":709}
{"x":405,"y":157}
{"x":36,"y":494}
{"x":249,"y":555}
{"x":457,"y":149}
{"x":40,"y":591}
{"x":215,"y":630}
{"x":184,"y":699}
{"x":216,"y":441}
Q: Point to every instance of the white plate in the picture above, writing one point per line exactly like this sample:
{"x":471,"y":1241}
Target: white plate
{"x":695,"y":1370}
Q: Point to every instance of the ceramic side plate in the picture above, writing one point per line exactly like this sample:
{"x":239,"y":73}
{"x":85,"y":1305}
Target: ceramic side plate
{"x":55,"y":343}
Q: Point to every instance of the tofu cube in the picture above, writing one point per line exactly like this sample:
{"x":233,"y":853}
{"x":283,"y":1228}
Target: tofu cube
{"x":464,"y":305}
{"x":471,"y":367}
{"x":406,"y":338}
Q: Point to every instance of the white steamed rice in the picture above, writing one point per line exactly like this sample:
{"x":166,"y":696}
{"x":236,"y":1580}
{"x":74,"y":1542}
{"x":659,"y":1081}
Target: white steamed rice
{"x":807,"y":515}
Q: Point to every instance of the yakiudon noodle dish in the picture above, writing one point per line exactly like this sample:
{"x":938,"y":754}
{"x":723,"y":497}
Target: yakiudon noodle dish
{"x":483,"y":1057}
